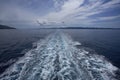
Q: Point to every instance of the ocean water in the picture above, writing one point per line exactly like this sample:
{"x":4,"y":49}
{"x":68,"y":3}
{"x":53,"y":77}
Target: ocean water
{"x":104,"y":42}
{"x":15,"y":43}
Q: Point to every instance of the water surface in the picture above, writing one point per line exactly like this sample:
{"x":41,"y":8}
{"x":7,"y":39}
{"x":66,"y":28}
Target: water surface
{"x":15,"y":43}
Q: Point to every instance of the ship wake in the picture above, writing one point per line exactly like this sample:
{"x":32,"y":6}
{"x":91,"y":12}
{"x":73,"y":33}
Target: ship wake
{"x":57,"y":58}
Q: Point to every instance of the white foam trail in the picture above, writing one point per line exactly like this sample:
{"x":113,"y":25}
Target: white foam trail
{"x":57,"y":58}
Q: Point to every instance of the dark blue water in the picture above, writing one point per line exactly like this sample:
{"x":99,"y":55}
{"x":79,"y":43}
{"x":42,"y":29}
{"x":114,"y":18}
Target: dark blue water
{"x":104,"y":42}
{"x":15,"y":43}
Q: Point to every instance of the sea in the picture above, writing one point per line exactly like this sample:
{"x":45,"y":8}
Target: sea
{"x":14,"y":43}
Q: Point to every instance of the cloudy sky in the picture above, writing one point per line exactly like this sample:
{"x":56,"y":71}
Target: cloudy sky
{"x":85,"y":13}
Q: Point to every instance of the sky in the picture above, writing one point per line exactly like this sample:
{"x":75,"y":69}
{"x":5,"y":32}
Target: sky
{"x":60,"y":13}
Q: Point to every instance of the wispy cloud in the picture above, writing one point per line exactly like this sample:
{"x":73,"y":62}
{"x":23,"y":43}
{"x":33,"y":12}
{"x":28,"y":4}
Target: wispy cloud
{"x":109,"y":18}
{"x":77,"y":11}
{"x":72,"y":12}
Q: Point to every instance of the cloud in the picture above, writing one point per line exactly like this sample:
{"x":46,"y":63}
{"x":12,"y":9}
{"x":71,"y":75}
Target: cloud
{"x":80,"y":12}
{"x":109,"y":18}
{"x":77,"y":11}
{"x":66,"y":9}
{"x":17,"y":15}
{"x":111,"y":4}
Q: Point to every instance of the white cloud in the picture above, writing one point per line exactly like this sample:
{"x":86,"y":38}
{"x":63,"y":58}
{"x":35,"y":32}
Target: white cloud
{"x":111,"y":3}
{"x":67,"y":8}
{"x":72,"y":4}
{"x":71,"y":11}
{"x":109,"y":18}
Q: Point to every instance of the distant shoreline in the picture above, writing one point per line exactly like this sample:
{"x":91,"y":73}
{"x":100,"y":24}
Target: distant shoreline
{"x":79,"y":28}
{"x":6,"y":27}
